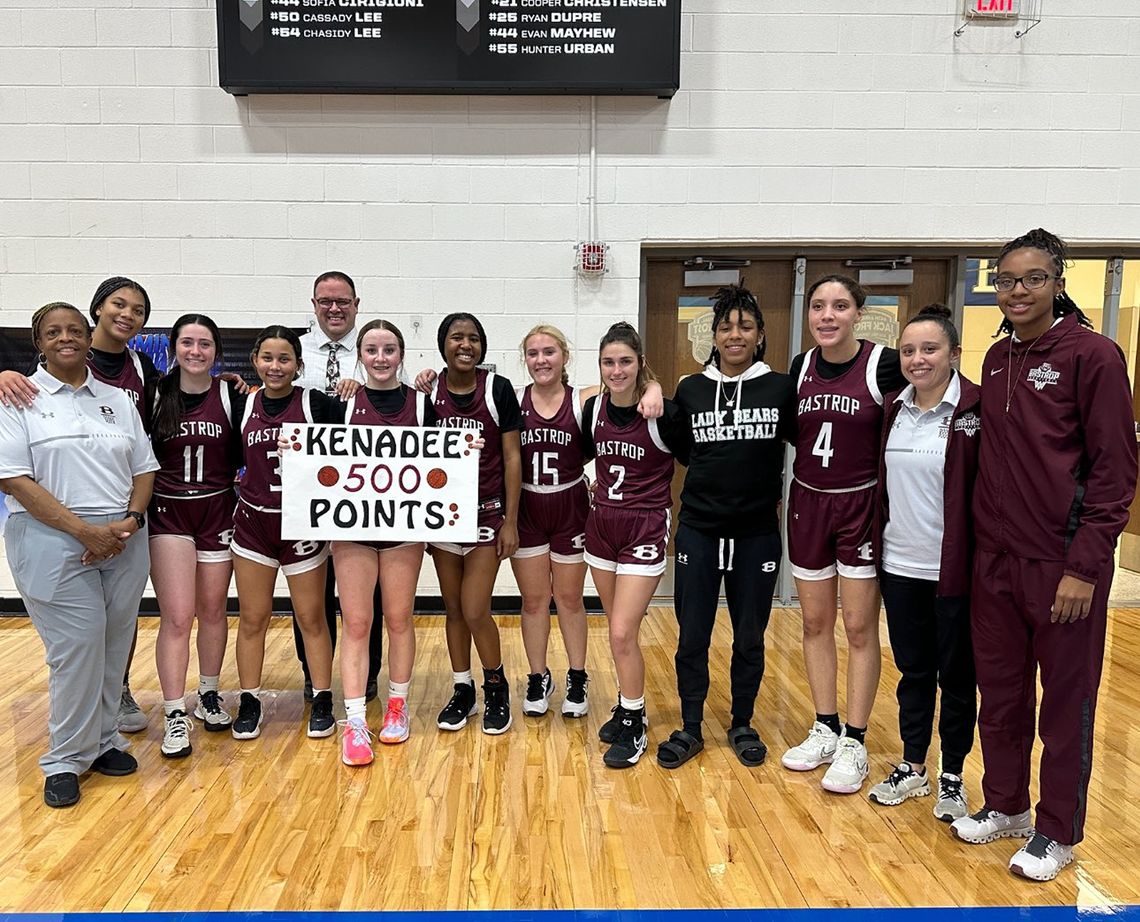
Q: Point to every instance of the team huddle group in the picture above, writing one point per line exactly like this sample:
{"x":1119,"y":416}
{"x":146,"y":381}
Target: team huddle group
{"x":985,"y":514}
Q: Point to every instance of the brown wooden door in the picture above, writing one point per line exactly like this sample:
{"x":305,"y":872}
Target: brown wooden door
{"x":678,"y":331}
{"x":889,"y":307}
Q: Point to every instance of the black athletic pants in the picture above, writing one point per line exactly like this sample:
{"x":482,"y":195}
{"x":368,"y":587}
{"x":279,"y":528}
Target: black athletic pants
{"x":332,"y":606}
{"x":930,"y":639}
{"x":749,"y":567}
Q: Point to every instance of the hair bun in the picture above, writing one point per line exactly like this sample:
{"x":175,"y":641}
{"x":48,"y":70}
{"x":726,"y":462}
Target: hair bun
{"x":622,"y":325}
{"x":936,"y":310}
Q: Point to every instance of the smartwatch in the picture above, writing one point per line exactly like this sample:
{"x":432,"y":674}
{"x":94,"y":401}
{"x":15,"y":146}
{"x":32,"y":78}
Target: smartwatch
{"x":139,"y":518}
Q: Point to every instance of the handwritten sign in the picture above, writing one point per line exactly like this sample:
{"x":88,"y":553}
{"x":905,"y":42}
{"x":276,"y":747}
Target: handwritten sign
{"x":379,"y":483}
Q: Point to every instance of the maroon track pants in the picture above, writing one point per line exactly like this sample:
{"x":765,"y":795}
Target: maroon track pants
{"x":1013,"y":637}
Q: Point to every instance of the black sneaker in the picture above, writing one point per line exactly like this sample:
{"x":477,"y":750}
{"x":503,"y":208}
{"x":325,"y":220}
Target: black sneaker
{"x":496,"y":707}
{"x":61,"y":789}
{"x":321,"y":720}
{"x":370,"y":691}
{"x":631,"y":739}
{"x":248,"y":723}
{"x":115,"y":762}
{"x":608,"y":732}
{"x":461,"y":706}
{"x":539,"y":688}
{"x":577,"y":701}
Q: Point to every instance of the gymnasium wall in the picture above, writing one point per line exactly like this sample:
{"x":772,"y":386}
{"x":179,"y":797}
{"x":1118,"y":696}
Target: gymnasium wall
{"x":799,"y":122}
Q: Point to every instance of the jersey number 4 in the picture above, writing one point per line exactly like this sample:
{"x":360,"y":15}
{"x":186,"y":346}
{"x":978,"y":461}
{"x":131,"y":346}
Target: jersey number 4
{"x":822,"y":448}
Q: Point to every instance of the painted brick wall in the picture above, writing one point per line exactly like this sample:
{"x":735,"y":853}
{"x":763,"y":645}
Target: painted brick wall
{"x":828,"y":120}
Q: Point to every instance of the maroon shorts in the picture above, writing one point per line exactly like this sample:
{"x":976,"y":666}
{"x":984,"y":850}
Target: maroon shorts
{"x":554,"y":523}
{"x":490,"y":524}
{"x":257,"y":537}
{"x":830,"y":533}
{"x":208,"y":521}
{"x":627,"y":541}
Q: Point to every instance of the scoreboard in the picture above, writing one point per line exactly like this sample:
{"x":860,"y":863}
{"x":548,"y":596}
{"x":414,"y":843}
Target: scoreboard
{"x":450,"y":46}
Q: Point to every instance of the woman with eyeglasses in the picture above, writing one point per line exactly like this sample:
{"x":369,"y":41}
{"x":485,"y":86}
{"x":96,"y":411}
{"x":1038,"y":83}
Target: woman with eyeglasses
{"x":1057,"y":473}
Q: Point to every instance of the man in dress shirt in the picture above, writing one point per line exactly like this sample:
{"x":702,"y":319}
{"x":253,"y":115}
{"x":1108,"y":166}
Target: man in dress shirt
{"x":329,"y":353}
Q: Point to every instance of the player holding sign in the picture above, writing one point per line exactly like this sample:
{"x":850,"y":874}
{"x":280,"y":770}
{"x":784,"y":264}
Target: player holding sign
{"x":841,"y":384}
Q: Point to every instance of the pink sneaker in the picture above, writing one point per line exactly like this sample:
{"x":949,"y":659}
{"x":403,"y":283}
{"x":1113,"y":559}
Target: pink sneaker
{"x":356,"y":742}
{"x":396,"y":723}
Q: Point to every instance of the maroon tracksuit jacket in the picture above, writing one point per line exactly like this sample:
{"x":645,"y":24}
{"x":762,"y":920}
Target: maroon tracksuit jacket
{"x":1056,"y":477}
{"x":959,"y":471}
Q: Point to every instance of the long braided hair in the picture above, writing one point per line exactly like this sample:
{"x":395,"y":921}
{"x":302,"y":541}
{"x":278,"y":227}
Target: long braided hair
{"x":736,"y":298}
{"x":1054,"y":246}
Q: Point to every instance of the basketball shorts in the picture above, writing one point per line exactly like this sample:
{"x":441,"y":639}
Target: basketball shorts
{"x":257,"y":537}
{"x":627,"y":541}
{"x":208,"y":521}
{"x":830,"y":533}
{"x":554,"y":523}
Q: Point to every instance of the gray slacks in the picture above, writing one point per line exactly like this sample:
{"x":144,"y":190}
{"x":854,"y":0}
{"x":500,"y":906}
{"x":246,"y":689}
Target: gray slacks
{"x":85,"y":615}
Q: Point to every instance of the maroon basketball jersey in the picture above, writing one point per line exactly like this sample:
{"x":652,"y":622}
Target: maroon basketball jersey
{"x":633,"y":467}
{"x":552,"y":456}
{"x":197,"y":459}
{"x":363,"y":413}
{"x":839,"y":422}
{"x":481,"y":415}
{"x":129,"y":379}
{"x":261,"y":482}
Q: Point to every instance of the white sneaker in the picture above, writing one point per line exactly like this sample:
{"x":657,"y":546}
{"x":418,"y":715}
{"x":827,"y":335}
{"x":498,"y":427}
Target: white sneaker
{"x":131,"y":716}
{"x":819,"y":747}
{"x":1041,"y":858}
{"x":176,"y":735}
{"x":951,"y":803}
{"x":987,"y":825}
{"x":902,"y":783}
{"x":849,"y":768}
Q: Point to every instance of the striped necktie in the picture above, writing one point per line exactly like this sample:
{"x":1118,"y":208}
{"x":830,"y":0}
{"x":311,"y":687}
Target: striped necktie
{"x":332,"y":369}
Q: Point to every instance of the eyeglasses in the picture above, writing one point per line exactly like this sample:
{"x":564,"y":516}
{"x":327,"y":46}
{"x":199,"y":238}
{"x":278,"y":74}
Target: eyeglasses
{"x":329,"y":303}
{"x":1030,"y":282}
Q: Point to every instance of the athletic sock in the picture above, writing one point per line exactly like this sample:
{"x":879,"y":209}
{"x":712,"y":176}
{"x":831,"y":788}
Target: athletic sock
{"x":831,"y":721}
{"x":399,"y":689}
{"x":208,"y":683}
{"x":495,"y":675}
{"x":632,"y":704}
{"x":317,"y":691}
{"x":859,"y":734}
{"x":463,"y":678}
{"x":354,"y":707}
{"x":173,"y":704}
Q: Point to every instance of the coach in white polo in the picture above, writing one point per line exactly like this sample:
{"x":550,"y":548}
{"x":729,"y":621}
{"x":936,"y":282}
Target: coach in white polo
{"x":328,"y":351}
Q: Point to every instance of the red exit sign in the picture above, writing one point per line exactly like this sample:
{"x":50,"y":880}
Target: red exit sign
{"x":993,"y":9}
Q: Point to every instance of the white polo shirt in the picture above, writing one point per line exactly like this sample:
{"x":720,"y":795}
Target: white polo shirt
{"x":916,"y":461}
{"x":83,"y":445}
{"x":315,"y":346}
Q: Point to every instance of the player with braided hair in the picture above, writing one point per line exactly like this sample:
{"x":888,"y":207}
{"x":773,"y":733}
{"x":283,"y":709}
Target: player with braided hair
{"x":1057,"y":473}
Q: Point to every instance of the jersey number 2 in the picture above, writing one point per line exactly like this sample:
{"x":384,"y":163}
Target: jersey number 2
{"x":822,"y":448}
{"x":614,"y":491}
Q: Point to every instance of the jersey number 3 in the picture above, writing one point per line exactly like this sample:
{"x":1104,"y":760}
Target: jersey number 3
{"x":822,"y":448}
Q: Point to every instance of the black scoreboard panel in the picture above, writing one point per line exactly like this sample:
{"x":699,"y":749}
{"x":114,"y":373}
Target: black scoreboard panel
{"x":450,"y":46}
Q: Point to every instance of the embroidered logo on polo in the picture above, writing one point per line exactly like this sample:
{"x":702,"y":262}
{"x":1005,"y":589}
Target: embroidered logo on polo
{"x":1043,"y":375}
{"x":108,"y":415}
{"x":968,"y":424}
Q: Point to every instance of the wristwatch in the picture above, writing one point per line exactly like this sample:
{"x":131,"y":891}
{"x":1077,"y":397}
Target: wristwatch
{"x":139,"y":518}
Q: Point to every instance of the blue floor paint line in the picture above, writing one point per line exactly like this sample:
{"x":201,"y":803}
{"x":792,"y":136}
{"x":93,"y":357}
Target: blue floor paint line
{"x":932,"y":914}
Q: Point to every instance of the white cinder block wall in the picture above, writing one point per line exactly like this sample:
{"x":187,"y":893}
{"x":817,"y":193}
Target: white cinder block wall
{"x":822,"y":120}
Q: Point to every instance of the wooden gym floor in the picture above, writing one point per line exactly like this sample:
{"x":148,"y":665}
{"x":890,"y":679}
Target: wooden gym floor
{"x":527,"y":821}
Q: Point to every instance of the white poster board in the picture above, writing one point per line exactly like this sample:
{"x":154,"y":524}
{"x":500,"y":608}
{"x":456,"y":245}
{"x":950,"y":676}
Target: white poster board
{"x":379,"y":483}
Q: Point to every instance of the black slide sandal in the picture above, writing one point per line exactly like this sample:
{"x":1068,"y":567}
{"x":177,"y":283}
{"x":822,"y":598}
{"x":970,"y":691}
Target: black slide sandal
{"x":748,"y":746}
{"x":679,"y":748}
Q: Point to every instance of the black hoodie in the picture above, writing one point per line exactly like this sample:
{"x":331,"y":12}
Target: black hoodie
{"x":738,"y":427}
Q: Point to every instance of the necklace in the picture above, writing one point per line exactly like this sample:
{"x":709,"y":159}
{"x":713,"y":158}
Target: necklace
{"x":730,"y":400}
{"x":1012,"y":380}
